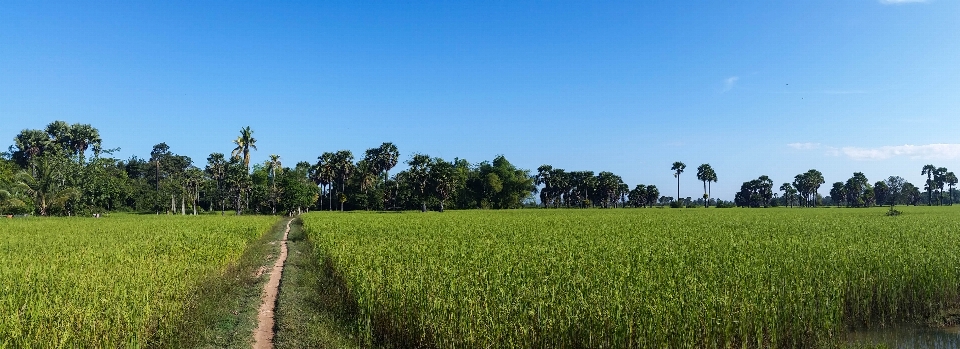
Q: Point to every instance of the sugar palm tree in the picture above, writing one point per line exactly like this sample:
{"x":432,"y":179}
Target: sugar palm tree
{"x":951,"y":180}
{"x":929,"y":171}
{"x":244,"y":142}
{"x":939,"y":177}
{"x":217,"y":170}
{"x":274,"y":166}
{"x":706,"y":174}
{"x":678,"y":168}
{"x":83,"y":136}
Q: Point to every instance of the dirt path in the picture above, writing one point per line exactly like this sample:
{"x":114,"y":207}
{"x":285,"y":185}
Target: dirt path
{"x":263,"y":335}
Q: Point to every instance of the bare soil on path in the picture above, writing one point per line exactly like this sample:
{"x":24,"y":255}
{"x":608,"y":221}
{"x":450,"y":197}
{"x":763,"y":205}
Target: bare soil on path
{"x":263,"y":335}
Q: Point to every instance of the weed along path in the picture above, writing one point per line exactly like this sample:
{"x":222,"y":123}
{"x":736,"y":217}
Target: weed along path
{"x":263,"y":335}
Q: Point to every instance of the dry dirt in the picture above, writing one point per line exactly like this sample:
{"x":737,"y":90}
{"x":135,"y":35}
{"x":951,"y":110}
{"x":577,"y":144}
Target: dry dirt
{"x":263,"y":335}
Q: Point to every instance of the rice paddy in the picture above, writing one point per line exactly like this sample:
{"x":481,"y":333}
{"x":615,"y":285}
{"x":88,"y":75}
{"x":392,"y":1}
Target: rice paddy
{"x":113,"y":282}
{"x":639,"y":278}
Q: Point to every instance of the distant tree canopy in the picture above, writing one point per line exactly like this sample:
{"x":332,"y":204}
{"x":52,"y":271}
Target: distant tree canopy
{"x":63,"y":169}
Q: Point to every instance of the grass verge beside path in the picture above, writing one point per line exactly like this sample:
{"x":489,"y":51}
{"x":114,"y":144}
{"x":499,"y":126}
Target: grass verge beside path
{"x":223,"y":311}
{"x":310,"y":311}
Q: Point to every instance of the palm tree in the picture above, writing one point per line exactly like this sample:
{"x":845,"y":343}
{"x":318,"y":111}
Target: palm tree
{"x":929,"y":170}
{"x":343,"y":167}
{"x":812,"y":181}
{"x":387,"y":158}
{"x":951,"y":180}
{"x":82,"y":136}
{"x":705,"y":174}
{"x":244,"y":142}
{"x":217,"y":169}
{"x":46,"y":186}
{"x":274,"y":166}
{"x":678,"y":168}
{"x":939,"y":178}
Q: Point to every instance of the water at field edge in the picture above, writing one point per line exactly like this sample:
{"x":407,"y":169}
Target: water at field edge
{"x":908,"y":337}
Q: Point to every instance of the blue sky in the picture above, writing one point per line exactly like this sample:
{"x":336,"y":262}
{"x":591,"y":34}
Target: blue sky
{"x":751,"y":87}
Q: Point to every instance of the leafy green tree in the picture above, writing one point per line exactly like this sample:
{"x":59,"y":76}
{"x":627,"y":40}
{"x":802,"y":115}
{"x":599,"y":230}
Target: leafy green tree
{"x":298,"y":191}
{"x":881,"y":192}
{"x":244,"y":142}
{"x":217,"y":170}
{"x":444,"y":179}
{"x":418,"y":175}
{"x":858,"y":190}
{"x":897,"y":189}
{"x":652,"y":194}
{"x":911,"y":194}
{"x":838,"y":193}
{"x":677,"y":169}
{"x":544,"y":178}
{"x":238,"y":183}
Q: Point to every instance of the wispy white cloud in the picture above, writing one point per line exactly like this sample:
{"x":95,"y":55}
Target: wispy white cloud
{"x":729,"y":83}
{"x":938,"y":151}
{"x":804,"y":146}
{"x":898,"y":2}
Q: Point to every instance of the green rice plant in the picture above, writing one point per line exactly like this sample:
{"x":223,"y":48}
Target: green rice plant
{"x":120,"y":281}
{"x":635,"y":278}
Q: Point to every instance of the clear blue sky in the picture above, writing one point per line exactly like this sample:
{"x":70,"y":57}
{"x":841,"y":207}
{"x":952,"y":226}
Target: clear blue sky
{"x":751,"y":87}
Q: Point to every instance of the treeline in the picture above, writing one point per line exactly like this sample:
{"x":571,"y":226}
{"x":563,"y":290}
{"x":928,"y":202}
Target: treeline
{"x":857,"y":191}
{"x":63,"y":169}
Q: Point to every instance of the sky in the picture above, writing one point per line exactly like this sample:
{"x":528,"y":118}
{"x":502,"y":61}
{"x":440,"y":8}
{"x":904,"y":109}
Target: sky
{"x":751,"y":87}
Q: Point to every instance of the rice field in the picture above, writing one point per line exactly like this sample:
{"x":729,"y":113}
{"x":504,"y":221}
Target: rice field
{"x":111,"y":282}
{"x":639,"y":278}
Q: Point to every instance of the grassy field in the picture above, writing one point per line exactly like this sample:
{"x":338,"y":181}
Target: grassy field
{"x":120,"y":281}
{"x":639,"y":277}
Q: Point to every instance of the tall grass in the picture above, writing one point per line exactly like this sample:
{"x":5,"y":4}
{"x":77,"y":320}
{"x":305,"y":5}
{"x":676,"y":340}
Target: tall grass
{"x":639,"y":278}
{"x":110,"y":282}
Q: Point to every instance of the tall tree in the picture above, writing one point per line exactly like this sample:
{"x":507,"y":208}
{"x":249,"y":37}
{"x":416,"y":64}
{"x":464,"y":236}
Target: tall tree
{"x":652,"y":194}
{"x":705,"y":174}
{"x":217,"y":170}
{"x":939,"y":177}
{"x":274,"y":166}
{"x":444,"y":179}
{"x":678,"y":168}
{"x":929,"y":170}
{"x":789,"y":193}
{"x":896,"y":186}
{"x":838,"y":193}
{"x":159,"y":153}
{"x":419,"y":176}
{"x":244,"y":142}
{"x":881,"y":192}
{"x":951,"y":180}
{"x":343,"y":166}
{"x":82,"y":137}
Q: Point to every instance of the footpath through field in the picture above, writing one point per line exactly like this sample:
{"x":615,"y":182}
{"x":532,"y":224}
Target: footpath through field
{"x":263,"y":335}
